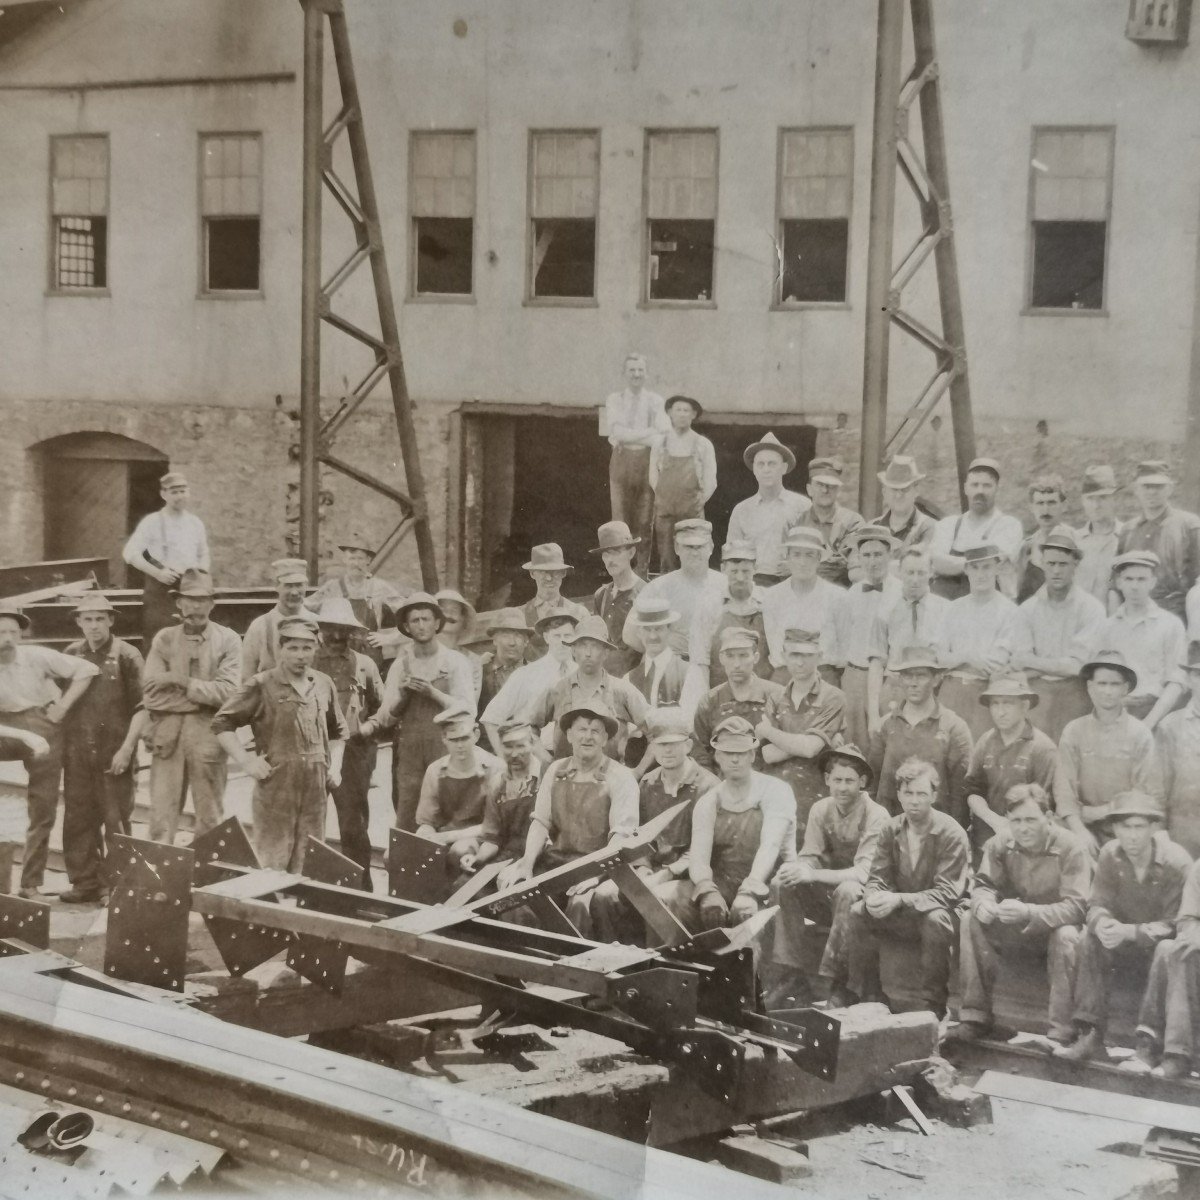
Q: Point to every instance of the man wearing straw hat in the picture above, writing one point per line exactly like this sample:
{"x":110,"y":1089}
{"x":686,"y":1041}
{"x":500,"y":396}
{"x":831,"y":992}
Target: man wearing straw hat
{"x":613,"y":600}
{"x":260,"y":646}
{"x":547,"y":568}
{"x":359,"y":688}
{"x":510,"y":634}
{"x":902,"y":517}
{"x":765,"y":517}
{"x":100,"y":740}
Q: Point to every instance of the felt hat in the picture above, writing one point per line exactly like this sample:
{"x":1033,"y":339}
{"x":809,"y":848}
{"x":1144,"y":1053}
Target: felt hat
{"x":804,"y":537}
{"x":849,"y":753}
{"x":739,"y":551}
{"x":356,"y":540}
{"x":453,"y":714}
{"x":614,"y":535}
{"x":808,"y":639}
{"x":697,"y":408}
{"x":509,"y":620}
{"x":195,"y":582}
{"x":172,"y":479}
{"x":93,"y":602}
{"x":734,"y":734}
{"x":1061,"y":538}
{"x":668,"y":725}
{"x":653,"y":610}
{"x":694,"y":531}
{"x":296,"y":628}
{"x":591,"y":628}
{"x":901,"y":472}
{"x":450,"y":596}
{"x":547,"y":557}
{"x":917,"y":657}
{"x":769,"y":442}
{"x":1099,"y":481}
{"x":15,"y":614}
{"x":1137,"y":558}
{"x":1011,"y":686}
{"x":1135,"y":804}
{"x":555,"y":614}
{"x":289,"y":570}
{"x":985,"y":552}
{"x":1153,"y":470}
{"x":737,"y":636}
{"x":597,"y":711}
{"x":985,"y":464}
{"x":337,"y":610}
{"x":826,"y":470}
{"x":417,"y":600}
{"x":1113,"y":659}
{"x":873,"y":533}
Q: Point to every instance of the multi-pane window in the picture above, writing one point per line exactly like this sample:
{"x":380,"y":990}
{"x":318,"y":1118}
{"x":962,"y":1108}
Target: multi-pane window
{"x":681,"y":214}
{"x":79,"y":209}
{"x":1070,"y":202}
{"x":231,"y":211}
{"x":442,"y":204}
{"x":815,"y":168}
{"x":563,"y":191}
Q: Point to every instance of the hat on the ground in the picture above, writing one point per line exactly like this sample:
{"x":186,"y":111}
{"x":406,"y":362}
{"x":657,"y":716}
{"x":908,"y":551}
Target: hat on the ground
{"x":289,"y":570}
{"x":1153,"y":470}
{"x":547,"y":557}
{"x":1135,"y":804}
{"x":739,"y":551}
{"x":918,"y":657}
{"x":694,"y":531}
{"x":296,"y":629}
{"x":1114,"y":660}
{"x":555,"y":614}
{"x":734,"y":734}
{"x":1192,"y":659}
{"x":901,"y":472}
{"x":804,"y":537}
{"x":826,"y":470}
{"x":614,"y":535}
{"x":596,"y":711}
{"x":983,"y":553}
{"x":985,"y":464}
{"x":1061,"y":538}
{"x":93,"y":602}
{"x":15,"y":614}
{"x":417,"y":600}
{"x":455,"y":714}
{"x":873,"y":533}
{"x":195,"y":582}
{"x":1099,"y":481}
{"x":1010,"y":686}
{"x":769,"y":442}
{"x":172,"y":479}
{"x":806,"y":639}
{"x":356,"y":540}
{"x":653,"y":610}
{"x":1137,"y":558}
{"x":591,"y":628}
{"x":337,"y":610}
{"x":509,"y":620}
{"x":449,"y":595}
{"x":697,"y":408}
{"x":668,"y":725}
{"x":847,"y":752}
{"x":737,"y":635}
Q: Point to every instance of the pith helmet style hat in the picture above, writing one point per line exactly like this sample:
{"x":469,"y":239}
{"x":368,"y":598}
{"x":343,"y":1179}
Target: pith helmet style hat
{"x":296,"y":628}
{"x":172,"y":479}
{"x":1012,"y":686}
{"x":985,"y":464}
{"x":555,"y":615}
{"x":848,"y":753}
{"x":1099,"y":481}
{"x":734,"y":734}
{"x":356,"y":541}
{"x":826,"y":470}
{"x":1061,"y":538}
{"x":1135,"y":804}
{"x":614,"y":535}
{"x":93,"y":602}
{"x":654,"y":610}
{"x":597,"y":712}
{"x":195,"y":582}
{"x":736,"y":551}
{"x":769,"y":442}
{"x":337,"y":610}
{"x":1153,"y":470}
{"x":509,"y":620}
{"x":547,"y":557}
{"x":17,"y":615}
{"x":1113,"y":659}
{"x":914,"y":658}
{"x":417,"y":600}
{"x":593,"y":629}
{"x":901,"y":472}
{"x":697,"y":408}
{"x":668,"y":725}
{"x":289,"y":570}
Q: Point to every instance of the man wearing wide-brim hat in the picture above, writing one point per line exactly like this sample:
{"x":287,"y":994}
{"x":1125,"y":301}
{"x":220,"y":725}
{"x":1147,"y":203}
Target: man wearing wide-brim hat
{"x":548,"y":569}
{"x":510,"y":634}
{"x":1171,"y":533}
{"x":902,"y":515}
{"x":832,"y":520}
{"x":38,"y":688}
{"x":1178,"y":740}
{"x":261,"y":643}
{"x":459,"y":630}
{"x":683,"y":476}
{"x":359,"y":688}
{"x":764,"y":518}
{"x":1105,"y":753}
{"x":616,"y":546}
{"x":1100,"y":534}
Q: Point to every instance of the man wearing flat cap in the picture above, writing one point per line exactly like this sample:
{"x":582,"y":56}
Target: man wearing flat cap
{"x":261,"y":643}
{"x":38,"y":688}
{"x":510,"y":634}
{"x":803,"y":601}
{"x":191,"y":670}
{"x":164,"y":545}
{"x":1171,"y":533}
{"x":359,"y":689}
{"x":614,"y":600}
{"x":299,"y":733}
{"x":909,"y":525}
{"x":833,"y":521}
{"x":1100,"y":535}
{"x":100,"y":740}
{"x":765,"y":517}
{"x":683,"y":475}
{"x":548,"y":569}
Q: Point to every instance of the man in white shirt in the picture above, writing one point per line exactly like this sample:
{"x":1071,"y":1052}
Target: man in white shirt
{"x":260,"y":646}
{"x":634,"y":423}
{"x":805,"y":601}
{"x":164,"y":545}
{"x":765,"y":517}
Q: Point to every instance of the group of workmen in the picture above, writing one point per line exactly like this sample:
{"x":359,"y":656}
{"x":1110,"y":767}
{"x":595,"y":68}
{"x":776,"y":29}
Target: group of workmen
{"x":933,"y":745}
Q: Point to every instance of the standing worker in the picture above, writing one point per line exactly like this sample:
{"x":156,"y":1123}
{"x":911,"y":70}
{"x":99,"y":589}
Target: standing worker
{"x":164,"y":545}
{"x":903,"y":518}
{"x":260,"y":647}
{"x":547,"y":568}
{"x":683,"y":476}
{"x":741,"y":605}
{"x":613,"y":600}
{"x":765,"y":517}
{"x":834,"y":522}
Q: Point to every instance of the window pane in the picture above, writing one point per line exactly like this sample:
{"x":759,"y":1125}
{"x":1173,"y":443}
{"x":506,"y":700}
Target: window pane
{"x":443,"y":175}
{"x":565,"y":175}
{"x":79,"y":177}
{"x":815,"y":168}
{"x":444,"y":255}
{"x":564,"y":258}
{"x":681,"y":175}
{"x":814,"y":260}
{"x":231,"y":180}
{"x":681,"y":260}
{"x":1068,"y":264}
{"x":232,"y":252}
{"x":81,"y":252}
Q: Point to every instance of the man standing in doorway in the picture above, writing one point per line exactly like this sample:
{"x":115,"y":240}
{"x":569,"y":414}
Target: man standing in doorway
{"x":634,"y":423}
{"x":260,"y":647}
{"x":164,"y":545}
{"x":765,"y":517}
{"x":683,"y":475}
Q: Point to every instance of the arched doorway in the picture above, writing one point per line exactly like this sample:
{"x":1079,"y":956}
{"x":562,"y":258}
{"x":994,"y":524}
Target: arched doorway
{"x":95,"y":489}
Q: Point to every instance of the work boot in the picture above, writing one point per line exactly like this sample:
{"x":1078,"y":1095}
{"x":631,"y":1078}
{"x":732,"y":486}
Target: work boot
{"x":1145,"y":1056}
{"x":840,"y":996}
{"x":30,"y":893}
{"x":972,"y":1031}
{"x":1174,"y":1066}
{"x":76,"y":895}
{"x":1087,"y":1046}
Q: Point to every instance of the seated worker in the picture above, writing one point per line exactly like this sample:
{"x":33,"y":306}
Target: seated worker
{"x":456,"y":785}
{"x":584,"y":802}
{"x":740,"y":831}
{"x":743,"y":694}
{"x":1104,"y":754}
{"x":915,"y":889}
{"x":659,"y":678}
{"x":923,"y":728}
{"x":801,"y":723}
{"x":826,"y":879}
{"x":510,"y":636}
{"x":588,"y":683}
{"x":1177,"y":740}
{"x":1135,"y":900}
{"x":1029,"y":898}
{"x":1009,"y":753}
{"x":299,"y":735}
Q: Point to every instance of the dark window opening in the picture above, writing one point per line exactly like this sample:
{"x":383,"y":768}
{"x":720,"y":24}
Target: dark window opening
{"x":814,"y":260}
{"x":81,"y":252}
{"x":681,"y":260}
{"x":564,"y":257}
{"x":232,"y":258}
{"x":1068,"y":264}
{"x":444,"y":255}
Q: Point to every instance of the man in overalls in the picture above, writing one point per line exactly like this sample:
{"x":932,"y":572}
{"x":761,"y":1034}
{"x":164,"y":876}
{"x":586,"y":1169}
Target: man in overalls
{"x":741,"y":607}
{"x":683,"y":475}
{"x":743,"y":694}
{"x":100,"y":737}
{"x":359,"y":690}
{"x":801,"y":723}
{"x":740,"y":831}
{"x":260,"y":646}
{"x":584,"y":802}
{"x":510,"y":634}
{"x":370,"y":597}
{"x":424,"y":678}
{"x":456,"y":785}
{"x":547,"y":568}
{"x":613,"y":600}
{"x":299,"y":733}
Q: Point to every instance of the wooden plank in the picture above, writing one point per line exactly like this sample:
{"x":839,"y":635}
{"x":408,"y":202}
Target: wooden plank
{"x":763,"y":1158}
{"x":1137,"y":1110}
{"x":659,"y":919}
{"x":255,"y":884}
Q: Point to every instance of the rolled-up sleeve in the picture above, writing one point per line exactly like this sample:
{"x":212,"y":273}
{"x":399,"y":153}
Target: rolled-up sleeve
{"x":66,"y":668}
{"x":624,"y":801}
{"x":240,"y":709}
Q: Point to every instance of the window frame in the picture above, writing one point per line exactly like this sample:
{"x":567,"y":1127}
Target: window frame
{"x":645,"y":300}
{"x":778,"y":303}
{"x":203,"y":291}
{"x":53,"y":288}
{"x":533,"y":300}
{"x":1028,"y":309}
{"x":413,"y":296}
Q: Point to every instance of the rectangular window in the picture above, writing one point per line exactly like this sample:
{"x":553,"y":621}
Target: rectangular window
{"x":79,"y":212}
{"x":231,"y":211}
{"x":563,"y":192}
{"x":681,"y":214}
{"x":442,"y":204}
{"x":815,"y":169}
{"x":1070,"y":202}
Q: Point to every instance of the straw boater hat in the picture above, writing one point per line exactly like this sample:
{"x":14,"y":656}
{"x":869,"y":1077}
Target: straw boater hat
{"x":901,"y":472}
{"x":597,"y":711}
{"x":987,"y":552}
{"x":509,"y":620}
{"x":734,"y":734}
{"x":93,"y":602}
{"x":769,"y":442}
{"x":339,"y":611}
{"x":1135,"y":804}
{"x":1113,"y":659}
{"x":195,"y":582}
{"x":847,"y":753}
{"x":614,"y":535}
{"x":547,"y":557}
{"x":653,"y":610}
{"x":15,"y":614}
{"x":1012,"y":686}
{"x":417,"y":600}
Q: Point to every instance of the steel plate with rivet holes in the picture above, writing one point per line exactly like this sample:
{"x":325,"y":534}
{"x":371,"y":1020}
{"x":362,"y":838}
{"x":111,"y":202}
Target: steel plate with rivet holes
{"x":148,"y":907}
{"x":417,"y":869}
{"x":813,"y":1036}
{"x":713,"y":1060}
{"x":659,"y":997}
{"x":27,"y":920}
{"x":319,"y":960}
